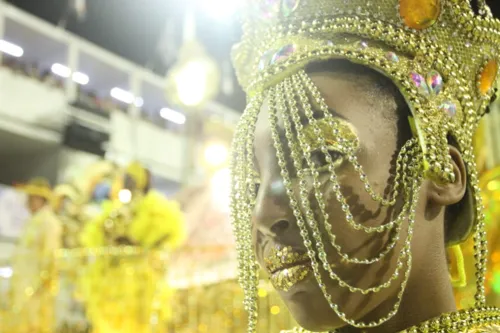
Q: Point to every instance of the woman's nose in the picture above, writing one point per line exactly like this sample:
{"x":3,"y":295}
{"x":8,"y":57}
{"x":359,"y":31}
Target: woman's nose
{"x":272,"y":213}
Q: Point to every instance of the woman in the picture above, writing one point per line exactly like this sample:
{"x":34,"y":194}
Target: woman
{"x":353,"y":169}
{"x":32,"y":290}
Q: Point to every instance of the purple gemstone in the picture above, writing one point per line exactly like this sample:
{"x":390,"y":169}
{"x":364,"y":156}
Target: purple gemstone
{"x":288,"y":7}
{"x":391,"y":56}
{"x":283,"y":54}
{"x":269,"y":8}
{"x":420,"y":83}
{"x":449,"y":107}
{"x":435,"y":82}
{"x":265,"y":59}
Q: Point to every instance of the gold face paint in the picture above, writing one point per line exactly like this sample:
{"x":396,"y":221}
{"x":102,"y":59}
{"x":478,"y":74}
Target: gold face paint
{"x":343,"y":135}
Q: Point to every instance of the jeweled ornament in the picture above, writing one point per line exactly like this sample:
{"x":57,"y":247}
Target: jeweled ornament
{"x":283,"y":53}
{"x":488,"y":76}
{"x":265,"y":59}
{"x":435,"y":82}
{"x":419,"y":82}
{"x":391,"y":56}
{"x":449,"y":108}
{"x":270,"y":8}
{"x":288,"y":7}
{"x":419,"y":14}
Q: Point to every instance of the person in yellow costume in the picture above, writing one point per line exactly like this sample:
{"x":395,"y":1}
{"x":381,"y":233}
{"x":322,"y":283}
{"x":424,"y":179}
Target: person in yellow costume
{"x":34,"y":266}
{"x":353,"y":169}
{"x":125,"y":289}
{"x":68,"y":204}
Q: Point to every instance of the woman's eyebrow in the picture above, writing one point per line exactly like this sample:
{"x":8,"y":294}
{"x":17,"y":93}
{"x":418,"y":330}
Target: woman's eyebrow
{"x":318,"y":115}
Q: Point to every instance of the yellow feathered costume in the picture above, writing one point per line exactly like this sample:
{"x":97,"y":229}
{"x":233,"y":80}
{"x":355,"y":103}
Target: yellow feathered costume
{"x":124,"y":287}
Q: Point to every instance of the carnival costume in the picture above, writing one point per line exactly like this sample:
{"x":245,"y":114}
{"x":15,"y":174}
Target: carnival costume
{"x":69,"y":203}
{"x":33,"y":280}
{"x":124,"y":288}
{"x":443,"y":57}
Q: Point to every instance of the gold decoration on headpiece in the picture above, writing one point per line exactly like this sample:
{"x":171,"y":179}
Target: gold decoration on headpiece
{"x":441,"y":55}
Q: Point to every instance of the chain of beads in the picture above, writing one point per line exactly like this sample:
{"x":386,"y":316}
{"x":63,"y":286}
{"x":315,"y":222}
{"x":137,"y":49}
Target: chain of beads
{"x":333,"y":178}
{"x":401,"y":162}
{"x":407,"y":181}
{"x":303,"y":193}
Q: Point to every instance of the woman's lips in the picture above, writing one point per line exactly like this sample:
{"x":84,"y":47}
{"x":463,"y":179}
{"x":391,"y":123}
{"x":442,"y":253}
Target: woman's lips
{"x":286,"y":278}
{"x":287,"y":267}
{"x":283,"y":257}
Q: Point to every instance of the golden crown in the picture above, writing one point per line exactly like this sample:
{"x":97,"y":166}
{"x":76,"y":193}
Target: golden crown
{"x":441,"y":54}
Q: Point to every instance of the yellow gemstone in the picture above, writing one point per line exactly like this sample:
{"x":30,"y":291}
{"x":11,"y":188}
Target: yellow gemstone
{"x":419,"y":14}
{"x":488,"y":77}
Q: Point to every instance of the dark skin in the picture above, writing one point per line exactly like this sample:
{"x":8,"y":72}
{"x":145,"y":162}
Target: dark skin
{"x":372,"y":116}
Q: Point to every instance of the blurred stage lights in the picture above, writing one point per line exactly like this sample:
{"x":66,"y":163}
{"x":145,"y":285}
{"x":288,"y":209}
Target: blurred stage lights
{"x":6,"y":272}
{"x":173,"y":116}
{"x":125,"y":196}
{"x":216,"y":155}
{"x":221,"y":9}
{"x":65,"y":72}
{"x":191,"y":83}
{"x":117,"y":93}
{"x":11,"y":49}
{"x":126,"y":97}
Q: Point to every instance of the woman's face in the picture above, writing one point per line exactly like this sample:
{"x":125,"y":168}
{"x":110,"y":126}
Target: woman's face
{"x":362,"y":113}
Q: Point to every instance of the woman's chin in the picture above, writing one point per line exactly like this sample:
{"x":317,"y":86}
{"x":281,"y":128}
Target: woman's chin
{"x":309,"y":307}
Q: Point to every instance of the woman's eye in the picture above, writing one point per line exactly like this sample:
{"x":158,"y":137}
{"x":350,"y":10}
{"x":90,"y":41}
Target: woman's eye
{"x":257,"y":187}
{"x":320,"y":160}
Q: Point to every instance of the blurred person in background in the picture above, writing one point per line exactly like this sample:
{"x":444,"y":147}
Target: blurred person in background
{"x":125,"y":288}
{"x":68,"y":204}
{"x":31,"y":294}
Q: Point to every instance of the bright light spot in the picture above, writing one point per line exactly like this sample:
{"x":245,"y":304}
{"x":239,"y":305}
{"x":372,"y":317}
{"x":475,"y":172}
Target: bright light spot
{"x":61,"y":70}
{"x":6,"y":272}
{"x":173,"y":116}
{"x":125,"y":196}
{"x":221,"y":8}
{"x":221,"y":188}
{"x":216,"y":155}
{"x":191,"y":83}
{"x":262,"y":293}
{"x":80,"y":78}
{"x":11,"y":49}
{"x":139,"y":102}
{"x":275,"y":310}
{"x":122,"y":95}
{"x":65,"y":71}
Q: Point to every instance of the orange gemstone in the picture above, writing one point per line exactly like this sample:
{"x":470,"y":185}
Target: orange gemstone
{"x":419,"y":14}
{"x":488,"y":77}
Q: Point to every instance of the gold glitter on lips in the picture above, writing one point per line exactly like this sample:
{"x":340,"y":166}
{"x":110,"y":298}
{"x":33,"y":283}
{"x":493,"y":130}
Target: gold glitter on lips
{"x":286,"y":267}
{"x":282,"y":257}
{"x":285,"y":279}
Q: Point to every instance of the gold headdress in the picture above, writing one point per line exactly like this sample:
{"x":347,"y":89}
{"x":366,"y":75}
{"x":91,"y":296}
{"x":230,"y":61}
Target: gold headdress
{"x":441,"y":54}
{"x":37,"y":187}
{"x":138,"y":173}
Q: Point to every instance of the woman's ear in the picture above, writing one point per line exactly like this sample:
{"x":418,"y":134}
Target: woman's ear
{"x":450,"y":194}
